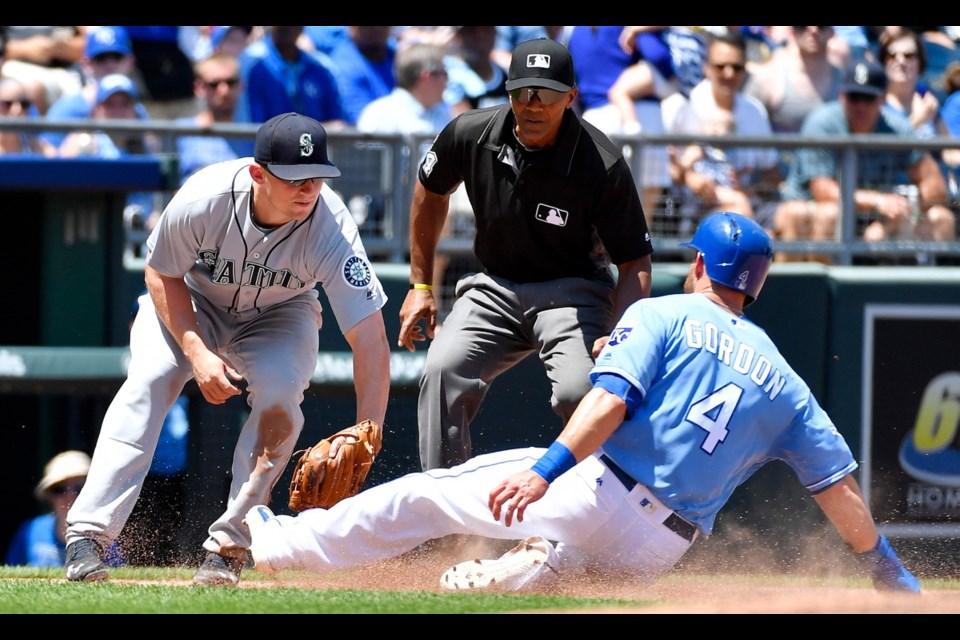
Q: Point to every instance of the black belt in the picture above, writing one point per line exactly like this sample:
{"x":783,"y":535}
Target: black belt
{"x":675,"y":523}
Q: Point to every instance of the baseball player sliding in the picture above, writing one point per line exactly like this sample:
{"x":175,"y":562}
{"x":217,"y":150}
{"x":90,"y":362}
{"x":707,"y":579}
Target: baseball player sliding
{"x":231,"y":274}
{"x":689,"y":399}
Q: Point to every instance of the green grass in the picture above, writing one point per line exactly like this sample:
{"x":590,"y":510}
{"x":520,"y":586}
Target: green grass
{"x":31,"y":590}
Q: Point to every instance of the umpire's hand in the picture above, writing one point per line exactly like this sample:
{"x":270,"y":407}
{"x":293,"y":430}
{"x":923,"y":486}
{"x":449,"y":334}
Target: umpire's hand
{"x":419,"y":304}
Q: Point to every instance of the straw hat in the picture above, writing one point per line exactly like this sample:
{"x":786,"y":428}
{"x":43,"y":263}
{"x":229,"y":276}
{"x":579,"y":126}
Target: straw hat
{"x":62,"y":467}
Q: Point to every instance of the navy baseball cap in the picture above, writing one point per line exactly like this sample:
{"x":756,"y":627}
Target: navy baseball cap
{"x":541,"y":63}
{"x":115,"y":83}
{"x":865,"y":76}
{"x":294,"y":147}
{"x":108,"y":40}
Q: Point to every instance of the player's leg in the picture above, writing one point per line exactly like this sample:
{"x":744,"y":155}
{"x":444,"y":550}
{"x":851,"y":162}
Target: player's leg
{"x":276,"y":353}
{"x":128,"y":436}
{"x":573,"y":313}
{"x":480,"y":339}
{"x":392,"y":518}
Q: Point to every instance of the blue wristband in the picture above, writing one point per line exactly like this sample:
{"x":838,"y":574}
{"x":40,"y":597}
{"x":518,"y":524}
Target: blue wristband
{"x":555,"y":462}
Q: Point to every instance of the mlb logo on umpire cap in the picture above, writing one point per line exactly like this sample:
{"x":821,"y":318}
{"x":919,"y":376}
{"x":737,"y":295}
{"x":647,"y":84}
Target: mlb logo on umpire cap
{"x":543,"y":62}
{"x":294,"y":147}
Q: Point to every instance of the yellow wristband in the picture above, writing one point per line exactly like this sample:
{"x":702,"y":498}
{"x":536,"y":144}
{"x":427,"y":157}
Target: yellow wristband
{"x":421,"y":287}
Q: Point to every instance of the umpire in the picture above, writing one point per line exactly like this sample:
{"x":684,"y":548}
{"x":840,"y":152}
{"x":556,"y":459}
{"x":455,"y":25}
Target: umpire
{"x":555,"y":206}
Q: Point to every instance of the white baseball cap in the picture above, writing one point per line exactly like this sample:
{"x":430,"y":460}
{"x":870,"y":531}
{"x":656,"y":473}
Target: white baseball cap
{"x":64,"y":466}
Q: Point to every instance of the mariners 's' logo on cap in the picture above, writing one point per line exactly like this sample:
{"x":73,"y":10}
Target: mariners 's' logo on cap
{"x":861,"y":75}
{"x":538,"y":61}
{"x":306,"y":145}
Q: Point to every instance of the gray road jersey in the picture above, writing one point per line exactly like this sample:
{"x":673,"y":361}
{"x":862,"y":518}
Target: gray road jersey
{"x":206,"y":235}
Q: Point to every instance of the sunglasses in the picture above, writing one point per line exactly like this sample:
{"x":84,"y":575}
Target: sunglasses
{"x":63,"y":489}
{"x":861,"y":98}
{"x":108,"y":57}
{"x":737,"y":68}
{"x":547,"y":96}
{"x":906,"y":55}
{"x":293,"y":183}
{"x":818,"y":28}
{"x":215,"y":84}
{"x":24,"y":103}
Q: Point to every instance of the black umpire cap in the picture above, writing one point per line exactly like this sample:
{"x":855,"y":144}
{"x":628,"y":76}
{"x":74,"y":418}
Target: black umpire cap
{"x":541,"y":63}
{"x":294,"y":147}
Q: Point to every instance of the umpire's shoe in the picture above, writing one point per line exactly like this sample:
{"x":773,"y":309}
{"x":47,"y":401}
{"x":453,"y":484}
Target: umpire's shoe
{"x":85,"y":561}
{"x":218,"y":570}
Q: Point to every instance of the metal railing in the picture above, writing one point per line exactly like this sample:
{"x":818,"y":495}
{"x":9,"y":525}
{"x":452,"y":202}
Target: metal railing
{"x":378,"y":174}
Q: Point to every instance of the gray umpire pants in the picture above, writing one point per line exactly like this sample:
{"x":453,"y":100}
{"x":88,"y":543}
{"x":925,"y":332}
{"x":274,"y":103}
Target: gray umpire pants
{"x":494,"y":324}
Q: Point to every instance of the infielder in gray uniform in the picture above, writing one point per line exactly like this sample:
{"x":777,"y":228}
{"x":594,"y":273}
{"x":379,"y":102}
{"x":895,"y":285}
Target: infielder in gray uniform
{"x":231,"y":274}
{"x":556,"y":206}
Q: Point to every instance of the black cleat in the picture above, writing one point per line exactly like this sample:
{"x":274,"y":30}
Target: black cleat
{"x":85,"y":561}
{"x":218,"y":570}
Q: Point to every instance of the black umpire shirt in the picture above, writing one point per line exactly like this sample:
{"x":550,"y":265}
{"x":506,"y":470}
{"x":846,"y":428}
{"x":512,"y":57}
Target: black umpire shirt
{"x":568,"y":210}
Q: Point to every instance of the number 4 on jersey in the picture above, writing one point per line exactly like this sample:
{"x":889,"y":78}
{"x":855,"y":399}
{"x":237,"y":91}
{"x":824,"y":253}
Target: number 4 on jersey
{"x":713,"y":413}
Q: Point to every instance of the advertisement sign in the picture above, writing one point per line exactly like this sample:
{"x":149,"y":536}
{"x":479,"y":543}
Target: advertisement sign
{"x":911,"y":418}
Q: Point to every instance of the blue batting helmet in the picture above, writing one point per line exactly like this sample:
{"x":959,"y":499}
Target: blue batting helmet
{"x":737,"y":252}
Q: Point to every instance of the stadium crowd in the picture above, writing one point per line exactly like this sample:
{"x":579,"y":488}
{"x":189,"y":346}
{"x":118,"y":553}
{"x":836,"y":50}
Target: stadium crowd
{"x":725,"y":81}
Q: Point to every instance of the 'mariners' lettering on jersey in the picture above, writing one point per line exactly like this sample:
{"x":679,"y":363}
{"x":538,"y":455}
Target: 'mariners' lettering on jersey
{"x":255,"y":275}
{"x":740,"y":356}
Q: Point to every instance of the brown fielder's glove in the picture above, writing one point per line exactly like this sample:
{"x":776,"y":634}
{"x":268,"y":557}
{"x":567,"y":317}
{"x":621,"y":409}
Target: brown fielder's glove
{"x":322,"y":481}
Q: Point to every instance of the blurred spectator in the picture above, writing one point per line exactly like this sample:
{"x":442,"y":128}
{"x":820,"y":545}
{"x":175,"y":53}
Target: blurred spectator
{"x":760,"y":43}
{"x":326,"y":38}
{"x":164,"y":71}
{"x":598,"y":61}
{"x":950,"y":114}
{"x":685,"y":46}
{"x":117,"y":100}
{"x":706,"y":163}
{"x":905,"y":61}
{"x":509,"y":37}
{"x":950,"y":111}
{"x":108,"y":51}
{"x":643,"y":82}
{"x":940,"y":51}
{"x":887,"y":207}
{"x":364,"y":66}
{"x":217,"y":86}
{"x":757,"y":169}
{"x":40,"y":541}
{"x":278,"y":77}
{"x":416,"y":104}
{"x":797,"y":78}
{"x":856,"y":40}
{"x":441,"y":36}
{"x":43,"y":59}
{"x":475,"y":81}
{"x":15,"y":103}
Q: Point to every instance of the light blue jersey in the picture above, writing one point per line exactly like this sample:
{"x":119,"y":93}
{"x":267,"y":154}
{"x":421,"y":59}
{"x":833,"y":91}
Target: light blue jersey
{"x":718,"y":402}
